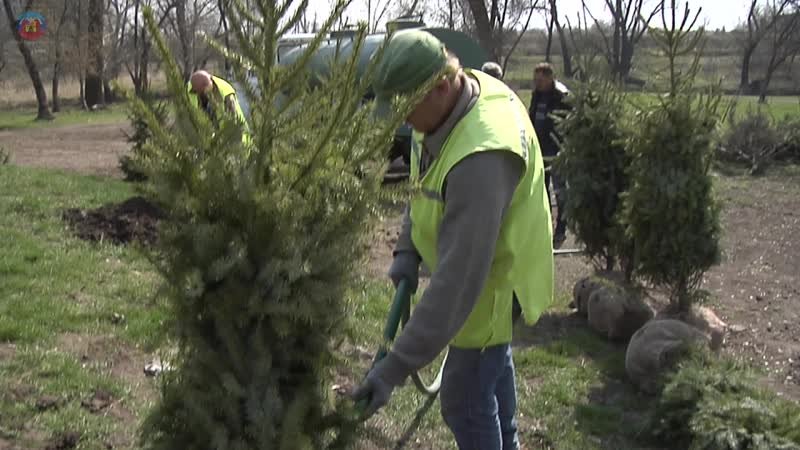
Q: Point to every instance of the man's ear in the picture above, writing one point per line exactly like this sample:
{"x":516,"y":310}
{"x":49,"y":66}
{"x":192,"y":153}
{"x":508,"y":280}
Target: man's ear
{"x":442,"y":86}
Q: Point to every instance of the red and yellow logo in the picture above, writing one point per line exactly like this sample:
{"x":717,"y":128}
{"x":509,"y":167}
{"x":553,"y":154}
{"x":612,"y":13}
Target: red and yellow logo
{"x":31,"y":25}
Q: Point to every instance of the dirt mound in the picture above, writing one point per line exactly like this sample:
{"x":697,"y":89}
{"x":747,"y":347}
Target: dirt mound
{"x":135,"y":219}
{"x":64,"y":441}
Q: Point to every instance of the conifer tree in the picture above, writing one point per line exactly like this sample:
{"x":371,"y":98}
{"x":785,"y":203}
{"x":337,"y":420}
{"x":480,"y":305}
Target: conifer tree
{"x":670,"y":213}
{"x":263,"y":239}
{"x":594,"y":160}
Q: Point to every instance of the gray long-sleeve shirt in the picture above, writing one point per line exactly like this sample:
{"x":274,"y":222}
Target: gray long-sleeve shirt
{"x":477,"y":193}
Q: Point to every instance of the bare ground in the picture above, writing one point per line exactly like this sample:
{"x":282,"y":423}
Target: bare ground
{"x":86,"y":149}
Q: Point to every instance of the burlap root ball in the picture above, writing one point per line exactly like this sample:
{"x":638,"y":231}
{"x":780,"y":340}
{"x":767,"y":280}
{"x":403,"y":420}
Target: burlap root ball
{"x":705,"y":320}
{"x":655,"y":349}
{"x":617,"y":313}
{"x":582,"y":291}
{"x":584,"y":288}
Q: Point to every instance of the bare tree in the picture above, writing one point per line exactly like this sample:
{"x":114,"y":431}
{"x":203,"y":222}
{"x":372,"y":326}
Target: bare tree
{"x":224,"y":21}
{"x":184,"y":38}
{"x":551,"y":14}
{"x":760,"y":21}
{"x":94,"y":67}
{"x":82,"y":54}
{"x":551,"y":18}
{"x":498,"y":23}
{"x":118,"y":13}
{"x":784,"y":42}
{"x":190,"y":17}
{"x":447,"y":13}
{"x":584,"y":43}
{"x":530,"y":10}
{"x":485,"y":27}
{"x":2,"y":52}
{"x":628,"y":25}
{"x":204,"y":18}
{"x":138,"y":66}
{"x":304,"y":25}
{"x":58,"y":55}
{"x":33,"y":71}
{"x":376,"y":11}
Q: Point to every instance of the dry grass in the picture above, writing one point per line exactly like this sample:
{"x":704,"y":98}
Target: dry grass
{"x":19,"y":92}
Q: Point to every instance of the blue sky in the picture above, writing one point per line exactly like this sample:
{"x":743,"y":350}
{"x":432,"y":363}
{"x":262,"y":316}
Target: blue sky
{"x":716,"y":13}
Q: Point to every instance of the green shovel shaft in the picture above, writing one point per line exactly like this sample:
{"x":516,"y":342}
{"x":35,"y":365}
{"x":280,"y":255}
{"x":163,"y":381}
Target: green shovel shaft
{"x":400,"y":305}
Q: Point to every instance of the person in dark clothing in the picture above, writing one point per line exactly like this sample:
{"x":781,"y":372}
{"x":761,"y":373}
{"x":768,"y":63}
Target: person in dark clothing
{"x":550,"y":97}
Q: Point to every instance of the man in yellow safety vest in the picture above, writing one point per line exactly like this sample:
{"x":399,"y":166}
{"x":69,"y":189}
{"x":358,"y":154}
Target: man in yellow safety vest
{"x":479,"y":219}
{"x":202,"y":85}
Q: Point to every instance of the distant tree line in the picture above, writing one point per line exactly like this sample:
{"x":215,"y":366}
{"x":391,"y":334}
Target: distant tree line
{"x":97,"y":41}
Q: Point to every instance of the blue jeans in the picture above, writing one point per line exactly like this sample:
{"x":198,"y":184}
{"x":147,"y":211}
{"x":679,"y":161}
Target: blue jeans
{"x":479,"y":398}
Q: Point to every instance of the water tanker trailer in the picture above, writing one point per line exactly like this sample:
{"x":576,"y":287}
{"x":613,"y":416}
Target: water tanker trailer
{"x":291,"y":47}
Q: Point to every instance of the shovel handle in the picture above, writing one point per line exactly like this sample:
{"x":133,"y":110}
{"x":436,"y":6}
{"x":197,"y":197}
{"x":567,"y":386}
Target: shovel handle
{"x":401,"y":305}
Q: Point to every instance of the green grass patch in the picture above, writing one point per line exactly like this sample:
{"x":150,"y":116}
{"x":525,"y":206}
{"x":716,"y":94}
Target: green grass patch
{"x":571,"y":390}
{"x":36,"y":374}
{"x":56,"y":283}
{"x":58,"y":295}
{"x":23,"y":118}
{"x":778,"y":106}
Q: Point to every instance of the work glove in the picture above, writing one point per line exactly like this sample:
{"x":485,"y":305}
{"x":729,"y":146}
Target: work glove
{"x":405,"y":265}
{"x":375,"y":391}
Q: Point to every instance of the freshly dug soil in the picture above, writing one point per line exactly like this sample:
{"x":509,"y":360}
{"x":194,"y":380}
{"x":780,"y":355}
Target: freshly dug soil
{"x":135,"y":219}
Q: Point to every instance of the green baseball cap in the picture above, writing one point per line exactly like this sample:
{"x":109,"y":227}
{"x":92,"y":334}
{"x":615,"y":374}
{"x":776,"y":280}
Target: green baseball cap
{"x":410,"y":59}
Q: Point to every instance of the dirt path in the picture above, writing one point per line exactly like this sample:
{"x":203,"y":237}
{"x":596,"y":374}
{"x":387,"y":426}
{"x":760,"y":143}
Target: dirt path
{"x":86,"y":149}
{"x":755,"y":288}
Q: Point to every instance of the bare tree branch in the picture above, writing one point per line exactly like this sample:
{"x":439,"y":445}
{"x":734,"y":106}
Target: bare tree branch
{"x":519,"y":37}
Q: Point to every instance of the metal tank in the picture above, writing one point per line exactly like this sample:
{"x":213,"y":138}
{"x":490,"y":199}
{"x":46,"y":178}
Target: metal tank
{"x":462,"y":45}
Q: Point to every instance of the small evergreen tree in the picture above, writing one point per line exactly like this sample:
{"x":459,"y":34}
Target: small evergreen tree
{"x":714,"y":404}
{"x":262,"y":240}
{"x":669,"y":210}
{"x":140,"y":136}
{"x":594,"y":160}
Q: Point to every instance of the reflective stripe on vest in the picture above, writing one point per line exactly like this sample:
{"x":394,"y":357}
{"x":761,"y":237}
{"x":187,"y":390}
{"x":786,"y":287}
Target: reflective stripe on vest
{"x":523,"y":259}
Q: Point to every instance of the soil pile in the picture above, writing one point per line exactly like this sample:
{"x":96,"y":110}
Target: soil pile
{"x":135,"y":219}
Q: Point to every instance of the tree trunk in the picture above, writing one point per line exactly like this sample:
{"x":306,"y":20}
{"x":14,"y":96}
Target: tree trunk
{"x":549,"y":37}
{"x":144,"y":68}
{"x":616,"y":44}
{"x":56,"y":105}
{"x":762,"y":95}
{"x":562,"y":41}
{"x":625,"y":60}
{"x":108,"y":92}
{"x":224,"y":20}
{"x":183,"y":37}
{"x":33,"y":71}
{"x":610,"y":263}
{"x":744,"y":78}
{"x":82,"y":85}
{"x":57,"y":63}
{"x":451,"y":20}
{"x":94,"y":69}
{"x":517,"y":40}
{"x":79,"y":43}
{"x":566,"y":56}
{"x":484,"y":28}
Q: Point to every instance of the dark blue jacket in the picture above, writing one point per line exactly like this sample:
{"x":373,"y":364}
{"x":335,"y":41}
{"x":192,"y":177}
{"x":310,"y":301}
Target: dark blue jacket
{"x":543,"y":106}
